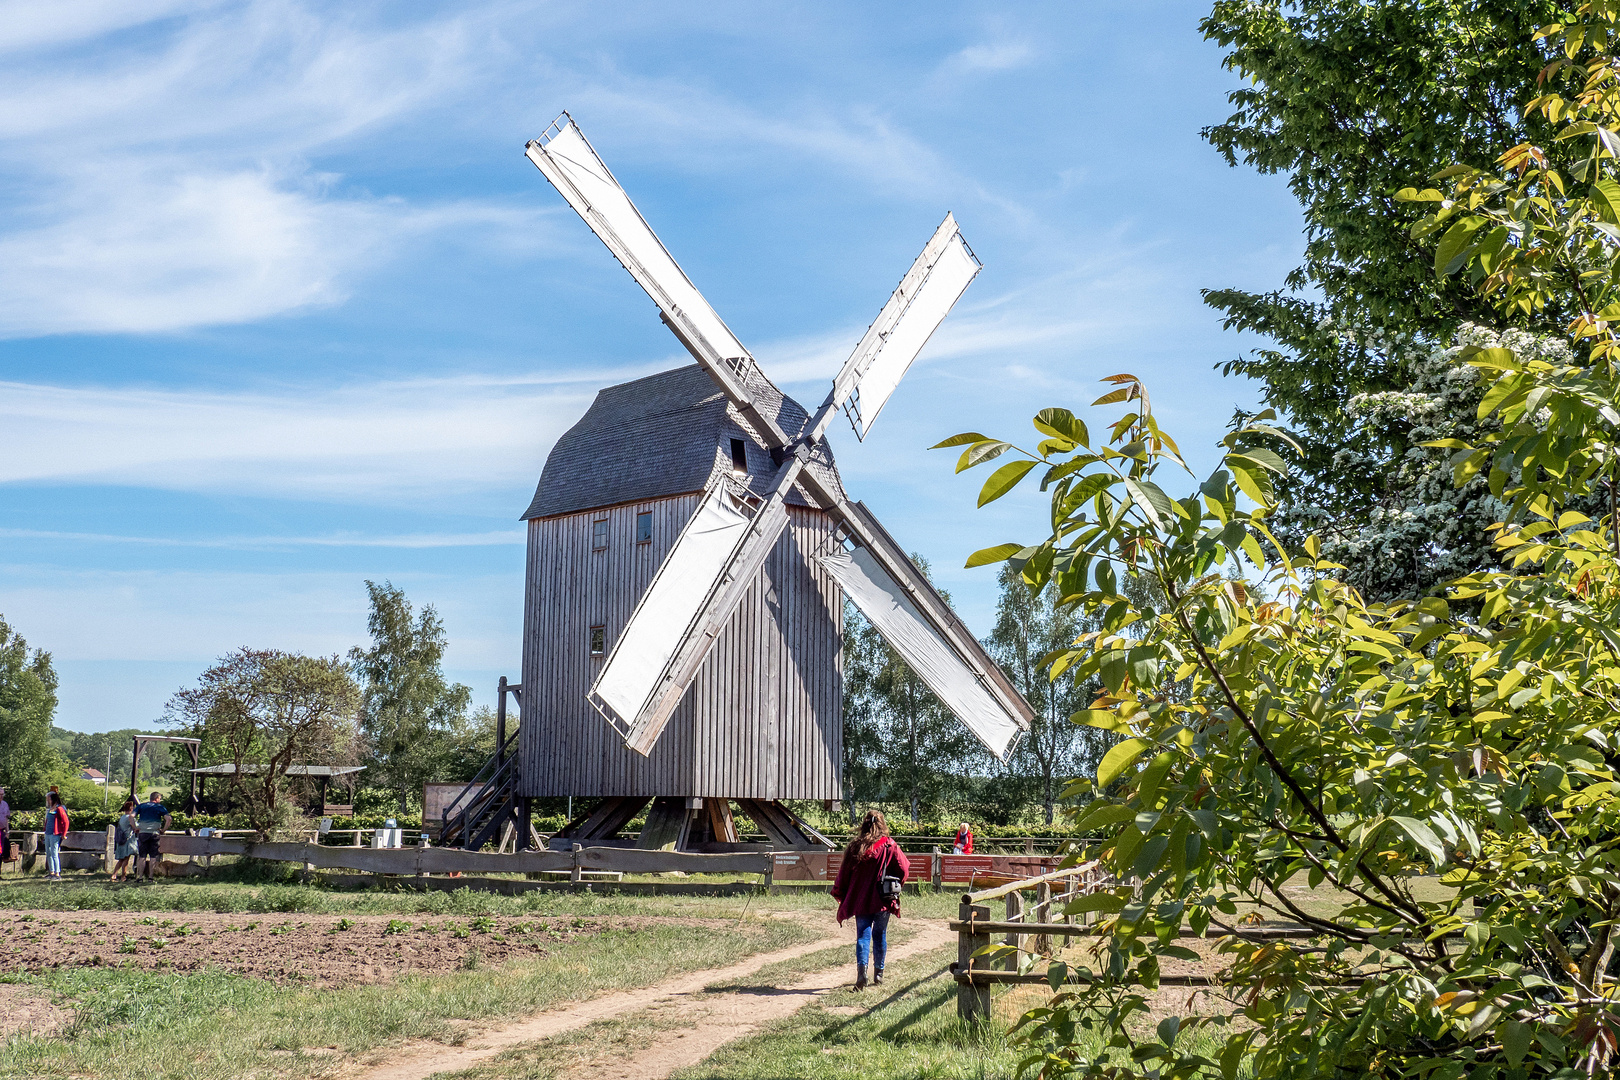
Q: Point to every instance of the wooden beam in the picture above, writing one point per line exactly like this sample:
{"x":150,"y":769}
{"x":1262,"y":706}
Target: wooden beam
{"x":721,"y":822}
{"x":1257,"y":933}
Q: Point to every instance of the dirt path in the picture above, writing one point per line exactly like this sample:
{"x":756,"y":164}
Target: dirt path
{"x":720,"y":1018}
{"x":709,"y":1020}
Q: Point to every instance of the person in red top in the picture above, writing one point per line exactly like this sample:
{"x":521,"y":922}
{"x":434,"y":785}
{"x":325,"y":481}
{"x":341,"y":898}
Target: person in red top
{"x":964,"y":840}
{"x":870,"y":856}
{"x":56,"y":828}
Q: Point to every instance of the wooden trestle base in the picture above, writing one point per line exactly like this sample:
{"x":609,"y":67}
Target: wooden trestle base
{"x":701,"y":825}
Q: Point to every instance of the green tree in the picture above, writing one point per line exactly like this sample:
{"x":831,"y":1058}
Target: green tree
{"x":263,"y":710}
{"x":1360,"y":745}
{"x":1351,"y":101}
{"x":27,"y":704}
{"x":1030,"y":624}
{"x":412,"y":719}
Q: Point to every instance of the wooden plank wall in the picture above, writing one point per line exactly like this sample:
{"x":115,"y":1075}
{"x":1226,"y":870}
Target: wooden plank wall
{"x":762,"y":719}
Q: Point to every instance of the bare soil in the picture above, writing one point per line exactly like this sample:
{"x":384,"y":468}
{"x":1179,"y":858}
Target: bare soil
{"x":25,"y":1011}
{"x":319,"y":950}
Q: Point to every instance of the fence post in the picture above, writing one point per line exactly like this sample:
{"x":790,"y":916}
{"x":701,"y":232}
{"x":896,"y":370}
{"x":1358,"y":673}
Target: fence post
{"x":937,"y":864}
{"x":972,"y":999}
{"x":1015,"y":913}
{"x":110,"y":862}
{"x":30,"y":850}
{"x":575,"y":875}
{"x":1043,"y":913}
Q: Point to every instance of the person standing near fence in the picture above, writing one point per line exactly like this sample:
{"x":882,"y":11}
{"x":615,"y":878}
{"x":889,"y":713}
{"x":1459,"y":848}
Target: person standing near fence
{"x":151,"y":821}
{"x":124,"y":833}
{"x":964,"y":840}
{"x":56,"y":827}
{"x":868,"y":889}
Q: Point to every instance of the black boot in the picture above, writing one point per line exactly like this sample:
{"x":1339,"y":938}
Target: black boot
{"x":877,"y":976}
{"x":860,"y":976}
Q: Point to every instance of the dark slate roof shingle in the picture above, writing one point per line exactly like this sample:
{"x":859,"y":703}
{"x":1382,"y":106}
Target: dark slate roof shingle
{"x":666,"y":434}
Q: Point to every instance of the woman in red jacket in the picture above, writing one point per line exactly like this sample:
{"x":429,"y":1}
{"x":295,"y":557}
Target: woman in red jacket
{"x":871,"y":856}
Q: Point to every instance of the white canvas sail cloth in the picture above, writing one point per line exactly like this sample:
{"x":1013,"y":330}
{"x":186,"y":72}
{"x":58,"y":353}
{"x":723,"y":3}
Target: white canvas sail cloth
{"x":575,"y":170}
{"x":882,"y":600}
{"x":671,"y":603}
{"x":926,"y":295}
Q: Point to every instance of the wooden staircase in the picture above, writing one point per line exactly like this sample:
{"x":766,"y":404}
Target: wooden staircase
{"x":490,"y":803}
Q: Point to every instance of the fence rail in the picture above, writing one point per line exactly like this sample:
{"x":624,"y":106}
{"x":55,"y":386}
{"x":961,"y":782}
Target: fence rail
{"x":431,"y":860}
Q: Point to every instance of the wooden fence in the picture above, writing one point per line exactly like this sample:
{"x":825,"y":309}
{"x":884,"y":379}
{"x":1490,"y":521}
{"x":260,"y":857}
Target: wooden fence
{"x":420,"y":860}
{"x":1029,"y":930}
{"x":93,"y":850}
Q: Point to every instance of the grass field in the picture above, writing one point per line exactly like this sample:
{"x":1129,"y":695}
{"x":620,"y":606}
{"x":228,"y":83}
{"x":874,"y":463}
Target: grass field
{"x":125,"y":1019}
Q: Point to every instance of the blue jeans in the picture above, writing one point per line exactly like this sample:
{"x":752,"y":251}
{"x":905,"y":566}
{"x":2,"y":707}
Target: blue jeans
{"x":53,"y":853}
{"x":871,"y":936}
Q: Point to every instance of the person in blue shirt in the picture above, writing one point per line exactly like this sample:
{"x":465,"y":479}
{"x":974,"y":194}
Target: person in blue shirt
{"x":151,"y":822}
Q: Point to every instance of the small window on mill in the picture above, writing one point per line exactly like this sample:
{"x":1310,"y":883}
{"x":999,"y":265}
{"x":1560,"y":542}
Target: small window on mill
{"x":599,"y":533}
{"x":598,"y":640}
{"x":644,"y":528}
{"x":739,"y":456}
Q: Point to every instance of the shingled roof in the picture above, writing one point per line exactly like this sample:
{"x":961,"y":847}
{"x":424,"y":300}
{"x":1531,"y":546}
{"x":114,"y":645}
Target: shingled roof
{"x":666,"y":434}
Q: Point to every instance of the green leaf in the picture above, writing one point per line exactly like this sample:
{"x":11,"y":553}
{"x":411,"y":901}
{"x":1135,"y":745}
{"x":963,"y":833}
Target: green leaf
{"x":1515,"y":1041}
{"x":1606,"y":194}
{"x":981,"y":452}
{"x":1149,"y":494}
{"x":986,"y":556}
{"x":1063,"y":424}
{"x":1107,"y":579}
{"x":1423,"y":836}
{"x":1266,"y":459}
{"x":1449,"y":254}
{"x":960,"y":440}
{"x":1119,"y":758}
{"x":1100,"y":718}
{"x":1004,"y":480}
{"x":1100,"y":901}
{"x":1256,"y":488}
{"x":1100,"y":814}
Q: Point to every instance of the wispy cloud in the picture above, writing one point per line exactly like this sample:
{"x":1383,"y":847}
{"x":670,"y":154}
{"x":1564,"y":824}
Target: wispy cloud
{"x":992,"y":56}
{"x":432,"y":439}
{"x":162,"y":181}
{"x":502,"y":537}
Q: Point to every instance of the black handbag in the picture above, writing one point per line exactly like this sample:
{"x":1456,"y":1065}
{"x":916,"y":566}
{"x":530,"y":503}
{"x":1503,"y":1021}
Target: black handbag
{"x":890,"y":882}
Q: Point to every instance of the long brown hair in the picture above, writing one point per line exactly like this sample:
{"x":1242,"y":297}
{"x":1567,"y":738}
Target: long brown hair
{"x":873,"y":827}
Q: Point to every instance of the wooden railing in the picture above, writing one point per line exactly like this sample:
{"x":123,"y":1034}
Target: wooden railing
{"x":421,"y":859}
{"x":1029,"y":929}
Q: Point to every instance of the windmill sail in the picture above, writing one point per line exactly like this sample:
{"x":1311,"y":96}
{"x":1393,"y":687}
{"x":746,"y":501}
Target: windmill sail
{"x":574,"y":168}
{"x":883,"y":600}
{"x":671,"y":604}
{"x":933,"y":285}
{"x":712,"y":565}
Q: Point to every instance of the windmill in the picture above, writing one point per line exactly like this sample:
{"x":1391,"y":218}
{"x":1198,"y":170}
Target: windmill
{"x":716,"y":667}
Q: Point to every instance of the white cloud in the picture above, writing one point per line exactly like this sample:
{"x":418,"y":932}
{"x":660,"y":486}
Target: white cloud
{"x":163,"y":183}
{"x":993,"y":56}
{"x":271,"y":542}
{"x":26,"y":25}
{"x":371,"y":442}
{"x":172,"y":616}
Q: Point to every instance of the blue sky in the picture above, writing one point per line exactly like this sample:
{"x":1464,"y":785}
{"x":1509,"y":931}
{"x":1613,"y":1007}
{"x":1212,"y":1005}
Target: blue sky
{"x":283,"y":307}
